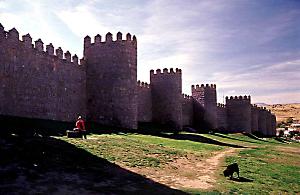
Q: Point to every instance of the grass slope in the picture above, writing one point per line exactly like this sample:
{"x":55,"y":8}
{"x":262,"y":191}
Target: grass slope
{"x":266,"y":167}
{"x":142,"y":150}
{"x":102,"y":163}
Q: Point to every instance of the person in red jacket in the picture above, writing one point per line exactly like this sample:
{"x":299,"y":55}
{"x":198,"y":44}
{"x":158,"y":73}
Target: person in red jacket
{"x":80,"y":126}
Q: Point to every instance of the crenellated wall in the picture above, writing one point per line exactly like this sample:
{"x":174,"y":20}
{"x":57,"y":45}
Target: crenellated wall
{"x":43,"y":82}
{"x":268,"y":122}
{"x":254,"y":118}
{"x":39,"y":84}
{"x":221,"y":117}
{"x":111,"y":80}
{"x":207,"y":97}
{"x":239,"y":113}
{"x":144,"y":102}
{"x":262,"y":120}
{"x":273,"y":123}
{"x":187,"y":110}
{"x":166,"y":89}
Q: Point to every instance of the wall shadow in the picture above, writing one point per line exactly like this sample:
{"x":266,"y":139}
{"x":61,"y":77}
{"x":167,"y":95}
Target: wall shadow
{"x":46,"y":165}
{"x":198,"y":138}
{"x":253,"y":136}
{"x":30,"y":126}
{"x":233,"y":138}
{"x":281,"y":140}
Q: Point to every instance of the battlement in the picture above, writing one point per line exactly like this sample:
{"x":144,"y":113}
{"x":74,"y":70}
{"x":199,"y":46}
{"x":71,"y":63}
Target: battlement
{"x":238,"y":98}
{"x":187,"y":97}
{"x":221,"y":105}
{"x":166,"y":71}
{"x":262,"y":108}
{"x":12,"y":40}
{"x":109,"y":39}
{"x":32,"y":88}
{"x":143,"y":84}
{"x":203,"y":86}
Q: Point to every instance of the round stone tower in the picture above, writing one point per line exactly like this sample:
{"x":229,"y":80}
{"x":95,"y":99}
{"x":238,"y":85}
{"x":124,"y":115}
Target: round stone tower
{"x":166,"y":89}
{"x":269,"y":123}
{"x":239,"y":113}
{"x":111,"y":80}
{"x":206,"y":96}
{"x":254,"y":118}
{"x":262,"y":120}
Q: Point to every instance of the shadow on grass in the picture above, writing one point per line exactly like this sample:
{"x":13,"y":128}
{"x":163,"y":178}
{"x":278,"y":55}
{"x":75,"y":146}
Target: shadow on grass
{"x":228,"y":137}
{"x":282,"y":140}
{"x":46,"y":165}
{"x":198,"y":138}
{"x":242,"y":179}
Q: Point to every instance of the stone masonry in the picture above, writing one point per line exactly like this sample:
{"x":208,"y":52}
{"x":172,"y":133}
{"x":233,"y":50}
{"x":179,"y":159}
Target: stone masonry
{"x":221,"y":117}
{"x":37,"y":83}
{"x":254,"y":118}
{"x":239,"y":114}
{"x":111,"y":69}
{"x":187,"y":110}
{"x":144,"y":102}
{"x":206,"y":95}
{"x":166,"y":89}
{"x":48,"y":83}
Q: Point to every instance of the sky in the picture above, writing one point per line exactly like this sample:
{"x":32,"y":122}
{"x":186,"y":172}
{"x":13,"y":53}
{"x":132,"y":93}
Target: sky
{"x":245,"y":47}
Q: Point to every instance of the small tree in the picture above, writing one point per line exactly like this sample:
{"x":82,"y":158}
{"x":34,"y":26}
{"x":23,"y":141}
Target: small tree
{"x":281,"y":124}
{"x":281,"y":133}
{"x":289,"y":120}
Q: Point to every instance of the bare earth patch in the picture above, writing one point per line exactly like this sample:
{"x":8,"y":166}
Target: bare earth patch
{"x":292,"y":150}
{"x":187,"y":172}
{"x":285,"y":154}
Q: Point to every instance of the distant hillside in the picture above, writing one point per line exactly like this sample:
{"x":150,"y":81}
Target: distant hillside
{"x":262,"y":104}
{"x":284,"y":111}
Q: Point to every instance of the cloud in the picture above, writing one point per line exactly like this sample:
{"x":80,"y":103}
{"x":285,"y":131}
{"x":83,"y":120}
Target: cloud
{"x":262,"y":81}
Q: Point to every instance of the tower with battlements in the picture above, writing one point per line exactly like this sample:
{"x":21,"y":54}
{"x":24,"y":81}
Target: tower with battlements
{"x":39,"y":81}
{"x":221,"y":117}
{"x":166,"y":89}
{"x":206,"y":96}
{"x":187,"y":111}
{"x":273,"y":123}
{"x":239,"y":113}
{"x":268,"y":123}
{"x":144,"y":100}
{"x":111,"y":80}
{"x":262,"y":120}
{"x":254,"y":118}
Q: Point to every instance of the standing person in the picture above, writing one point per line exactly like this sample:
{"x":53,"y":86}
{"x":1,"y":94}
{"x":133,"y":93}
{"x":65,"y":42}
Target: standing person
{"x":80,"y":126}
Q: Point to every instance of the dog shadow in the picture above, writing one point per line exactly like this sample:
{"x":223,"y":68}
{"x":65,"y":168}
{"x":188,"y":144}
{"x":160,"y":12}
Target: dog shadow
{"x":242,"y":179}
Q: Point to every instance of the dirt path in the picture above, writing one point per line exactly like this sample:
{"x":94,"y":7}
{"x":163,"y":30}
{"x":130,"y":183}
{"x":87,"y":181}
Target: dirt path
{"x":188,"y":172}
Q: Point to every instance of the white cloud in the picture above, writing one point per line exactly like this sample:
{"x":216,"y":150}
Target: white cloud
{"x":81,"y":20}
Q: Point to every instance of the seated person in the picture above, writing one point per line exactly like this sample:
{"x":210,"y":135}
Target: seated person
{"x":80,"y":126}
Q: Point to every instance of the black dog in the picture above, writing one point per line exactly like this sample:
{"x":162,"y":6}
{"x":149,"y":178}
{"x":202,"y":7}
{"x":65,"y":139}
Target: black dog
{"x":231,"y":169}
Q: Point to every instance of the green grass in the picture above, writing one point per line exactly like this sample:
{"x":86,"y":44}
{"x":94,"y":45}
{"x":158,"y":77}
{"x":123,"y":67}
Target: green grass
{"x":268,"y":169}
{"x":136,"y":150}
{"x":270,"y":166}
{"x":271,"y":170}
